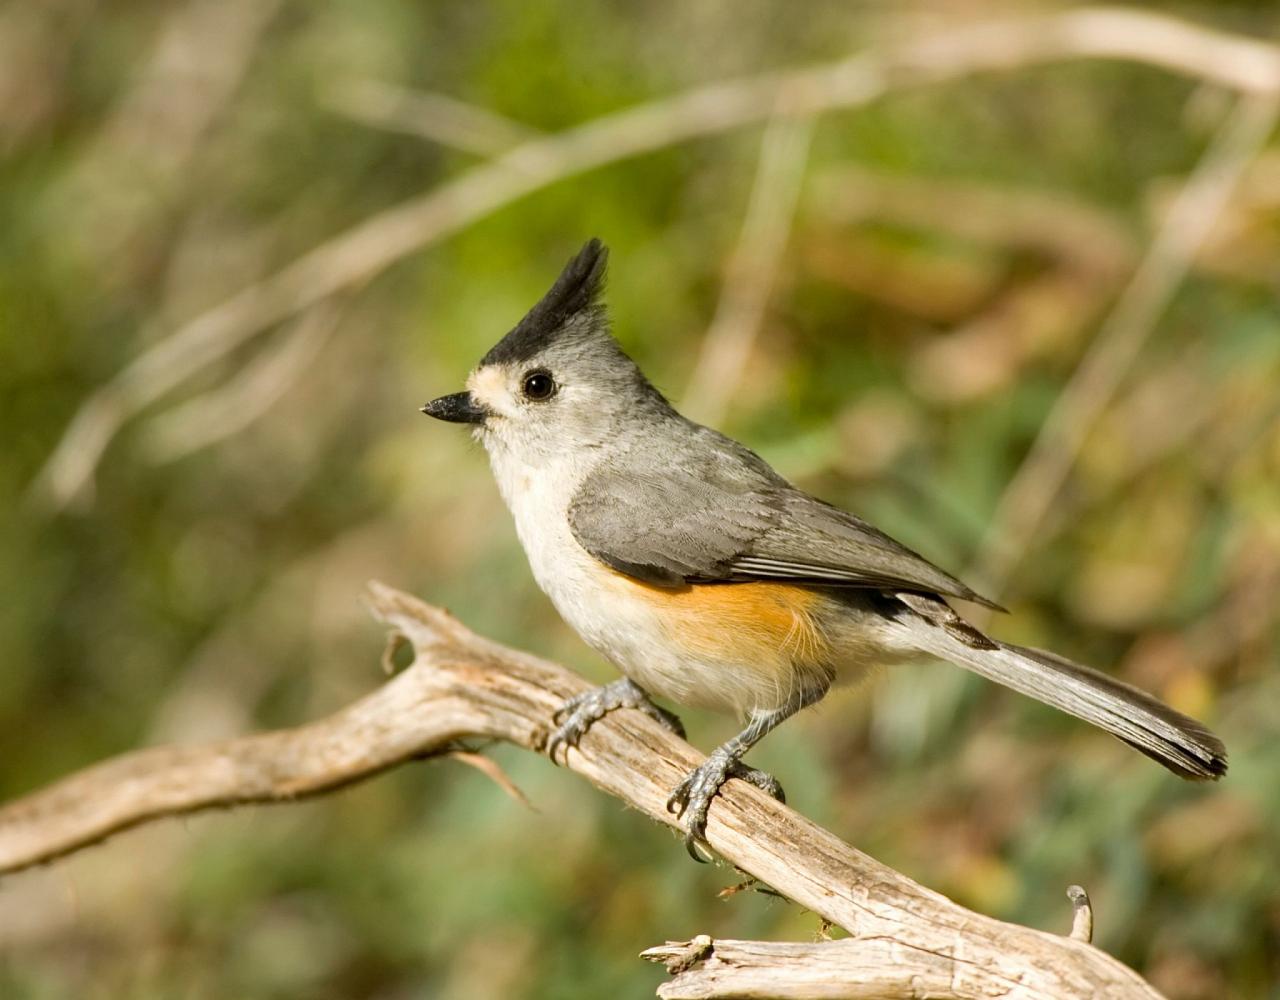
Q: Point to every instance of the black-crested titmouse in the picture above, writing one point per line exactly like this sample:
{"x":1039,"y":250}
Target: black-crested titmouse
{"x":707,"y":578}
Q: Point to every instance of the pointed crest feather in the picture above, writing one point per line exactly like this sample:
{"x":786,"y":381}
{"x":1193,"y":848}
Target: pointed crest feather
{"x":577,"y":289}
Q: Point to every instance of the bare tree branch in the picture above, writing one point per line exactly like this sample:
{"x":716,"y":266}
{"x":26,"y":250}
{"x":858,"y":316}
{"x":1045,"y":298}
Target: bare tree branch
{"x":910,"y":941}
{"x":870,"y":968}
{"x":353,"y":257}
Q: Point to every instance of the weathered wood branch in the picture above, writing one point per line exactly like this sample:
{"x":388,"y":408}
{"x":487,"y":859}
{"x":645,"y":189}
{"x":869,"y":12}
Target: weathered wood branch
{"x":907,"y":941}
{"x":870,"y":968}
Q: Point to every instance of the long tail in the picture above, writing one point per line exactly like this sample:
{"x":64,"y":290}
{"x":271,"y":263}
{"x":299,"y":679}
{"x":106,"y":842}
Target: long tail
{"x":1183,"y":745}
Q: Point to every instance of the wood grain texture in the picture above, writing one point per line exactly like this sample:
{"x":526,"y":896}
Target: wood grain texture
{"x":907,"y":941}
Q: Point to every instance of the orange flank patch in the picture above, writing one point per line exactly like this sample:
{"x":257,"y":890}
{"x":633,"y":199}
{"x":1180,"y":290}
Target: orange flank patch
{"x":754,"y":622}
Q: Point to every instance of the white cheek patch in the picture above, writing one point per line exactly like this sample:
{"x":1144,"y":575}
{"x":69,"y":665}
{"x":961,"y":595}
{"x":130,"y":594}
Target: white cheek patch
{"x":489,"y":387}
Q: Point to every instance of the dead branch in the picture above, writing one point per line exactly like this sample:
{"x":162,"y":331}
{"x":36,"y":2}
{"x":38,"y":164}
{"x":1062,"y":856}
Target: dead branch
{"x":351,"y":258}
{"x":908,"y":940}
{"x":872,"y":968}
{"x":1082,"y":913}
{"x":848,"y":969}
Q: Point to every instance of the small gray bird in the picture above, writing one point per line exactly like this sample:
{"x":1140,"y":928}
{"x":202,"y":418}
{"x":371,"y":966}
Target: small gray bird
{"x":708,"y":579}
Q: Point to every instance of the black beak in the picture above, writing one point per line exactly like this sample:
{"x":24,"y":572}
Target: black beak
{"x":458,"y":408}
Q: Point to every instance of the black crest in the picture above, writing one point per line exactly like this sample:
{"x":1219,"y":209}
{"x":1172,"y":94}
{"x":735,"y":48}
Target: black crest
{"x":577,"y":289}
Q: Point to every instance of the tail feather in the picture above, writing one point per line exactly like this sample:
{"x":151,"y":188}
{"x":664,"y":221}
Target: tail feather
{"x":1183,"y":745}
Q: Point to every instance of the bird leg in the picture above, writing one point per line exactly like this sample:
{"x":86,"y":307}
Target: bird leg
{"x":580,"y":712}
{"x":691,"y":799}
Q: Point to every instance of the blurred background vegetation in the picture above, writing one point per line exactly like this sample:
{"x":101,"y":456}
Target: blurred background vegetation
{"x":886,"y":302}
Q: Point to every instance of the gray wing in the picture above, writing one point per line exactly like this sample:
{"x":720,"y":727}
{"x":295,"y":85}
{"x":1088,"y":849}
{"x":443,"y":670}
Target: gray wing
{"x":721,"y":514}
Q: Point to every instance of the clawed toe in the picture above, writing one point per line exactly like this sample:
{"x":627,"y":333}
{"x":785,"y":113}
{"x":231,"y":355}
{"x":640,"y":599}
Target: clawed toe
{"x":573,"y":719}
{"x":579,"y":713}
{"x":566,"y":735}
{"x":573,"y":704}
{"x":690,"y":802}
{"x":767,"y":783}
{"x":691,"y":799}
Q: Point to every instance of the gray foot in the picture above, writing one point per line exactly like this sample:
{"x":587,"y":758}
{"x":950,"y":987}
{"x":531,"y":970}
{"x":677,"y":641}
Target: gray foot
{"x":692,"y":797}
{"x":578,"y":714}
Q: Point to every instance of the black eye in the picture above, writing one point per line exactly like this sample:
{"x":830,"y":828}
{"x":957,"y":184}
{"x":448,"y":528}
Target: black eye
{"x":539,"y":385}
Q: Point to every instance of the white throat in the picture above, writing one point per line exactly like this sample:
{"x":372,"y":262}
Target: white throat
{"x":538,"y":496}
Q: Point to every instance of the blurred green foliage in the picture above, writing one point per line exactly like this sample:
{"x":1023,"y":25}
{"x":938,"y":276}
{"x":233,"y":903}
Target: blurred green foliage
{"x":903,"y":369}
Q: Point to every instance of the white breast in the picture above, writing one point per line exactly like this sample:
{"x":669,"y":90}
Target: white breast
{"x":565,"y":571}
{"x":625,"y":631}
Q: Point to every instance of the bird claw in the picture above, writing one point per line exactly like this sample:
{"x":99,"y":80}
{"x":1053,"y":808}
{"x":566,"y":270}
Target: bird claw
{"x":579,"y":713}
{"x":691,"y":799}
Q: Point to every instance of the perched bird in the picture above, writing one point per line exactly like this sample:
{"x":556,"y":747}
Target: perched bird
{"x":708,"y":579}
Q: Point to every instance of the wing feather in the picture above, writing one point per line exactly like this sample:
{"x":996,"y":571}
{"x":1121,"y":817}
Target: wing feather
{"x":717,"y":513}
